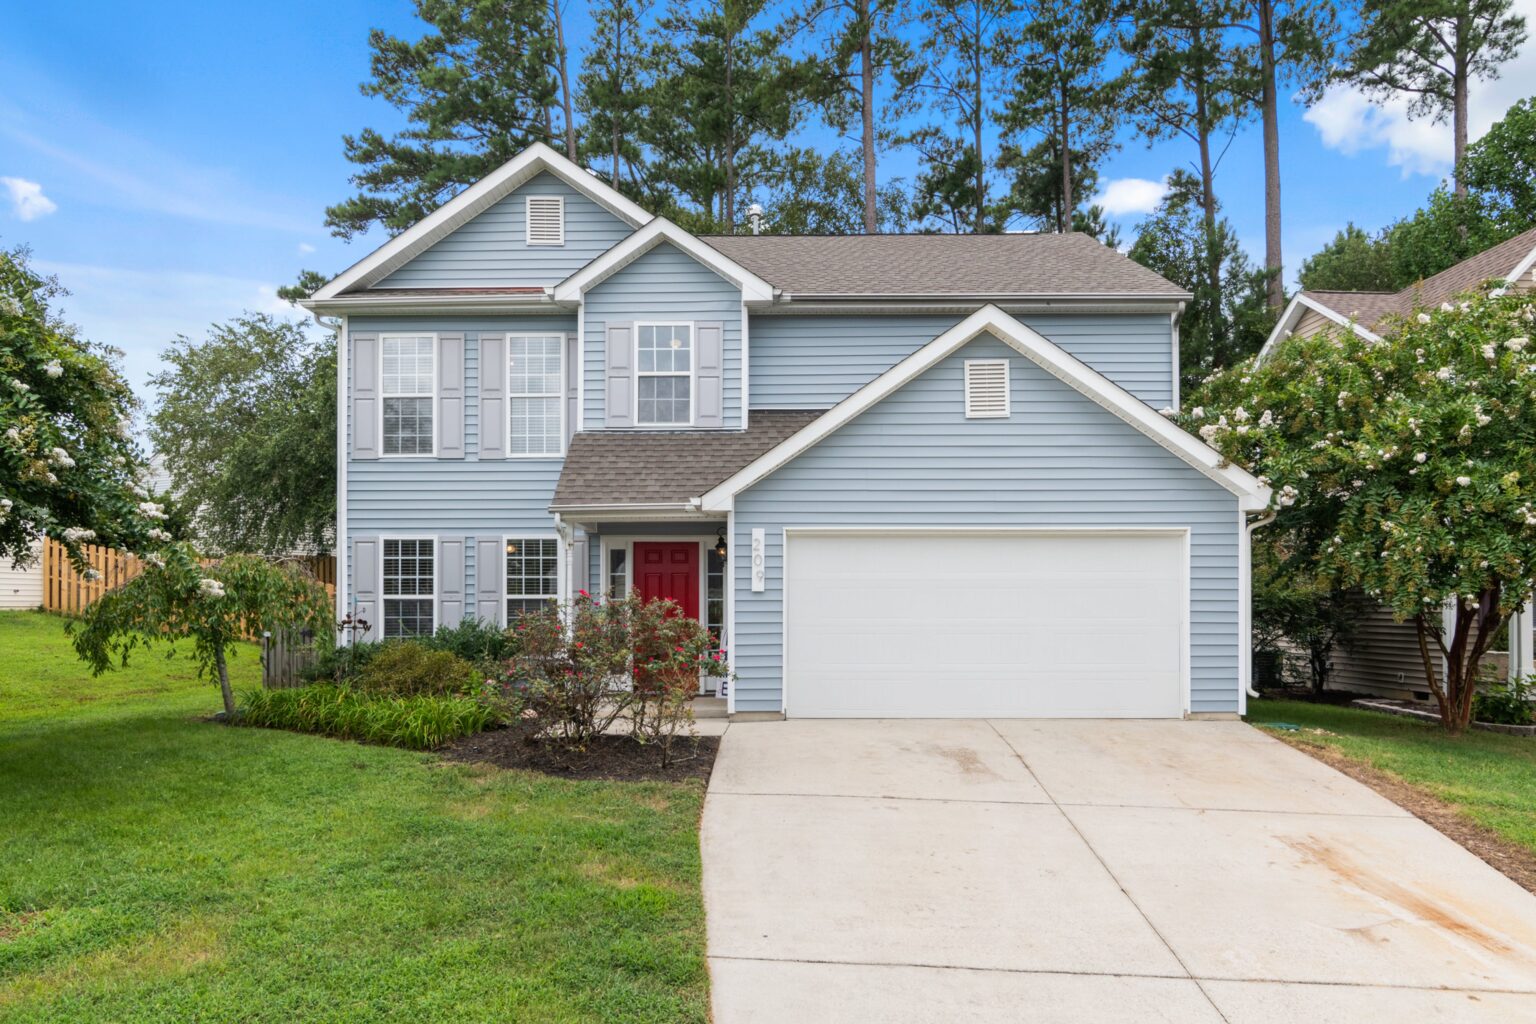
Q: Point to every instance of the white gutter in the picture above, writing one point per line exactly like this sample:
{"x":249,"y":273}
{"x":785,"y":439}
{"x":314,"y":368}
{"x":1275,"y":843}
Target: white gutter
{"x":1245,"y":570}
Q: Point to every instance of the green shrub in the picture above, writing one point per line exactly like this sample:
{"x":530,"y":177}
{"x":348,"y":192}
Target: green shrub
{"x":1504,"y":704}
{"x":405,"y":668}
{"x":420,"y":721}
{"x":475,"y":641}
{"x":336,"y":663}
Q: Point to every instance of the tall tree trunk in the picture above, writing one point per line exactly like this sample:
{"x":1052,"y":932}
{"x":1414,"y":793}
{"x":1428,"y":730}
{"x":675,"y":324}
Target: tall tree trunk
{"x":1459,"y":117}
{"x":224,"y":690}
{"x":565,"y":81}
{"x":976,"y":121}
{"x":1064,"y":217}
{"x":730,"y":129}
{"x":1273,"y":256}
{"x":867,"y":96}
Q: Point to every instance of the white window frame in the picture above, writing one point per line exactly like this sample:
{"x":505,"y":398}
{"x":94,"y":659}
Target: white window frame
{"x":693,"y":370}
{"x":560,"y":596}
{"x":528,"y":202}
{"x":558,"y":394}
{"x":433,"y":395}
{"x":972,"y":413}
{"x":436,"y":566}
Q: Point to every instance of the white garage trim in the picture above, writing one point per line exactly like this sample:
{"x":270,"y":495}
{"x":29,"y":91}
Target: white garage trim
{"x":1181,"y":533}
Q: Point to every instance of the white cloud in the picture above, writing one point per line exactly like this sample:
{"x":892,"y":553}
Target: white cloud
{"x":1131,"y":195}
{"x":305,"y":247}
{"x":1350,"y":123}
{"x":27,"y":199}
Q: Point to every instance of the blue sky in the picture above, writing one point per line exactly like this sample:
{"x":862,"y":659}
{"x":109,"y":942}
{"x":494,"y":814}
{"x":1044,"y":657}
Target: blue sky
{"x":172,"y":164}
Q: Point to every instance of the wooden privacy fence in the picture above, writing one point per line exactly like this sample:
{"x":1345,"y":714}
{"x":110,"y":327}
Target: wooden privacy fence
{"x":69,"y":593}
{"x":285,"y":657}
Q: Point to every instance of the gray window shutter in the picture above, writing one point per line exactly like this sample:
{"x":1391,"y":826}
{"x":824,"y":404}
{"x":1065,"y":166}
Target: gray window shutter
{"x":619,"y":384}
{"x":580,"y":570}
{"x":493,"y":396}
{"x":450,"y":396}
{"x":365,"y":587}
{"x":709,"y":376}
{"x":490,"y":570}
{"x":572,"y":391}
{"x":450,"y":581}
{"x":365,"y":395}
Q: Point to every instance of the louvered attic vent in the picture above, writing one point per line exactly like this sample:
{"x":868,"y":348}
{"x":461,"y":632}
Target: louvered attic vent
{"x":546,"y":220}
{"x":986,"y":389}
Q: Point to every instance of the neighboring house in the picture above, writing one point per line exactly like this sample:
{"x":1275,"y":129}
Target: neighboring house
{"x":22,"y":587}
{"x":896,"y":475}
{"x":1384,"y":657}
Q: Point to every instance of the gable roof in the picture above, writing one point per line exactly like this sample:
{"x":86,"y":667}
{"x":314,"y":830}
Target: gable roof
{"x":1251,"y":494}
{"x":1511,"y":260}
{"x":613,"y":468}
{"x":915,"y":266}
{"x":658,"y":231}
{"x":471,"y":202}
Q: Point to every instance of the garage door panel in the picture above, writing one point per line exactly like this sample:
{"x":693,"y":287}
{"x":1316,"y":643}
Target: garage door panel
{"x":1008,"y":624}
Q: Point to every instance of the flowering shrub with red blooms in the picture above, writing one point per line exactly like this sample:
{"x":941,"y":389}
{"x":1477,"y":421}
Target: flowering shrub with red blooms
{"x":575,"y":674}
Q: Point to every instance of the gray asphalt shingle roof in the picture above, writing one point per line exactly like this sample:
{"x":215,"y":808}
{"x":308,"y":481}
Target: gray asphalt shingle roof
{"x":970,"y":265}
{"x":622,"y":467}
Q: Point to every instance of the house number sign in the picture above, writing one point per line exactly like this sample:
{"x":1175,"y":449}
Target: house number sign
{"x":759,"y":561}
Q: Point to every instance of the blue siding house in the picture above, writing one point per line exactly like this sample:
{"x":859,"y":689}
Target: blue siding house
{"x":895,"y":475}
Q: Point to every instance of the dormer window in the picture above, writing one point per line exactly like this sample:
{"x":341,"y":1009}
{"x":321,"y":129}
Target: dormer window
{"x":546,"y":220}
{"x":986,"y":389}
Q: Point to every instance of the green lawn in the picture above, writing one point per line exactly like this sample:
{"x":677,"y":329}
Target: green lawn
{"x":1490,"y":777}
{"x":154,"y":867}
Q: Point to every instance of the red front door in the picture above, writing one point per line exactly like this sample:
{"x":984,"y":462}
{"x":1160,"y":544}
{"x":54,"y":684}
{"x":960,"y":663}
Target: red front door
{"x":669,"y":570}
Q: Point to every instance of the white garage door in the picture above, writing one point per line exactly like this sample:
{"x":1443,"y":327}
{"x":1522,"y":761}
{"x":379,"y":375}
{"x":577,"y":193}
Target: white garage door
{"x":1007,"y":624}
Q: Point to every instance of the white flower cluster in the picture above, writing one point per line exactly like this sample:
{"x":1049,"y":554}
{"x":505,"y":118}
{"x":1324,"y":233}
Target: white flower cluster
{"x":155,"y":560}
{"x":1527,"y":513}
{"x":1421,"y":457}
{"x":1165,"y":411}
{"x":1287,"y":496}
{"x":140,"y":492}
{"x":20,"y":385}
{"x":152,"y":511}
{"x":91,"y":574}
{"x":1517,"y":344}
{"x":1490,"y":352}
{"x":59,"y":457}
{"x":1343,"y":397}
{"x":1423,"y":318}
{"x":78,"y":534}
{"x":54,"y":368}
{"x":1464,"y":481}
{"x":159,"y":534}
{"x":5,"y":507}
{"x":1445,"y":373}
{"x":13,"y":435}
{"x":1198,"y":412}
{"x":1267,"y":419}
{"x":210,"y":587}
{"x":1483,"y":419}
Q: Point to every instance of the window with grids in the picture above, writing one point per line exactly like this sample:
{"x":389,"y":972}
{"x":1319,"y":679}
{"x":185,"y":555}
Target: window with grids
{"x":410,"y":573}
{"x":408,"y":386}
{"x":533,"y":574}
{"x":534,"y":392}
{"x":664,"y":374}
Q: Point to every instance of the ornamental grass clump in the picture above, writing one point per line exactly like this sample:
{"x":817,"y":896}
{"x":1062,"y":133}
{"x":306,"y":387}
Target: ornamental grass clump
{"x":1405,"y":468}
{"x":418,"y":722}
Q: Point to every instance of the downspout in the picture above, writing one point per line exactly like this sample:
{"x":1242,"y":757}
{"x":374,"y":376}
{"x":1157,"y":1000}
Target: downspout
{"x":1264,"y":520}
{"x":567,"y":535}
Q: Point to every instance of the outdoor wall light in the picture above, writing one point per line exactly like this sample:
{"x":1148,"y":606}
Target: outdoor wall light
{"x":720,"y":548}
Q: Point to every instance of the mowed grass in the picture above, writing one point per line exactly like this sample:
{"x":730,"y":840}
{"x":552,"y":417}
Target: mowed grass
{"x":1489,"y":777}
{"x":155,"y":867}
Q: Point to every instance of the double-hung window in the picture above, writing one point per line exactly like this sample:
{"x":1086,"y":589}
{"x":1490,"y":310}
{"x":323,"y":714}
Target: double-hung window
{"x":533,"y":574}
{"x":409,"y":390}
{"x":664,"y":374}
{"x":534,"y":393}
{"x":410,"y":575}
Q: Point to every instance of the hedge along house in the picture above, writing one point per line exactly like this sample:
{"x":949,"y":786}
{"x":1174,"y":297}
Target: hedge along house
{"x":1383,"y":657}
{"x":895,"y":475}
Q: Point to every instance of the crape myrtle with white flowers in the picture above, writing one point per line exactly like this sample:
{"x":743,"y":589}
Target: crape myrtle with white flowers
{"x":1404,"y":468}
{"x":68,"y":463}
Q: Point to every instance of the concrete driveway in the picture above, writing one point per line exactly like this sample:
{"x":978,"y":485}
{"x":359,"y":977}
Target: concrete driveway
{"x":929,"y":871}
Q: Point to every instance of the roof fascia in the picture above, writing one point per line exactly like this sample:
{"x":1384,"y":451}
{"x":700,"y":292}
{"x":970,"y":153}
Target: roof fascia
{"x":1293,"y":312}
{"x":753,"y":288}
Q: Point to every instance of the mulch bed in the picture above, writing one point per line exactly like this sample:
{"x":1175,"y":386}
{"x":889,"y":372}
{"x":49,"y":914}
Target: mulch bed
{"x":1516,"y":862}
{"x":614,"y":758}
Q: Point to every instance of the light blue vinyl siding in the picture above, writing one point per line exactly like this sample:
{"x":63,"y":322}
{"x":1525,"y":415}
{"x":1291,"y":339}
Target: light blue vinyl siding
{"x":492,"y":250}
{"x":454,"y":496}
{"x":663,"y":285}
{"x":1059,"y":460}
{"x":814,"y":362}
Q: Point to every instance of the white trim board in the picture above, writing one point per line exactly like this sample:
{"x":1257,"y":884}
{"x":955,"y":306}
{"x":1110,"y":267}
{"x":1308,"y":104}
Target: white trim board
{"x":1029,"y":343}
{"x":657,"y":232}
{"x":469,"y":204}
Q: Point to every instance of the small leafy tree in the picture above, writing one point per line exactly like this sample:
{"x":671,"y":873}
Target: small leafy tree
{"x":1406,"y":468}
{"x":1295,"y":607}
{"x":178,"y":599}
{"x":67,"y":457}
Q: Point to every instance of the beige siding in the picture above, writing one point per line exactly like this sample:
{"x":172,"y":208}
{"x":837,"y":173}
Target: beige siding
{"x":1311,"y":322}
{"x":21,"y":588}
{"x":1384,"y":658}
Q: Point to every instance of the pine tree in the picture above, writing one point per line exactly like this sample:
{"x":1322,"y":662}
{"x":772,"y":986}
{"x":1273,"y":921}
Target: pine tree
{"x":612,"y":93}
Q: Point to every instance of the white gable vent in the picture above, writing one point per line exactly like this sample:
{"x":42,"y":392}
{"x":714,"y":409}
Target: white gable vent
{"x":546,"y":220}
{"x":986,"y":389}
